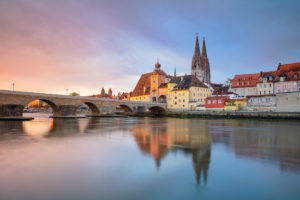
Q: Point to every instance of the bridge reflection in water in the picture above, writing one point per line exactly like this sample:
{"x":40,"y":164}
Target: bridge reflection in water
{"x":276,"y":143}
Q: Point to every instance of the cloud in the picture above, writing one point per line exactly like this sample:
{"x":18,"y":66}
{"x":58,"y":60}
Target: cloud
{"x":51,"y":45}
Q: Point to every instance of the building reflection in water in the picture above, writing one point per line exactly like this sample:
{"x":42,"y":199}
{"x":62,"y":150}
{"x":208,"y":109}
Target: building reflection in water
{"x":158,"y":138}
{"x":273,"y":142}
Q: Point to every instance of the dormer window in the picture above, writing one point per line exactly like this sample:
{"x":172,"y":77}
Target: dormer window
{"x":281,"y":78}
{"x":270,"y":78}
{"x":265,"y":79}
{"x":260,"y":78}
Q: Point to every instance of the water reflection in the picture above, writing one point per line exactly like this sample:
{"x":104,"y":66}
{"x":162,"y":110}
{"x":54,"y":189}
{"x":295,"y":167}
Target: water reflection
{"x":171,"y":135}
{"x":273,"y":142}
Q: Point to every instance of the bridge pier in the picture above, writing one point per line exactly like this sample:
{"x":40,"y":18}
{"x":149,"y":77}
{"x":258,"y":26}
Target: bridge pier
{"x":12,"y":112}
{"x":65,"y":111}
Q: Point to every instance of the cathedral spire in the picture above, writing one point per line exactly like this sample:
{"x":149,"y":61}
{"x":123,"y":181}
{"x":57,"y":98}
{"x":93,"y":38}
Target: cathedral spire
{"x":197,"y":46}
{"x":196,"y":61}
{"x":204,"y":54}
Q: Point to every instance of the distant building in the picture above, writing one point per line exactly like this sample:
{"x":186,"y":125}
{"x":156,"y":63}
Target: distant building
{"x":244,"y":84}
{"x":265,"y":83}
{"x":186,"y":92}
{"x":287,"y":78}
{"x":104,"y":95}
{"x":216,"y":102}
{"x":200,"y":63}
{"x":236,"y":104}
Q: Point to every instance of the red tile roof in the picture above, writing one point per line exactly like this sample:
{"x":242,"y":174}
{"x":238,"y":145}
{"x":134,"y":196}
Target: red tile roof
{"x":187,"y":81}
{"x":244,"y":80}
{"x":143,"y":86}
{"x":267,"y":75}
{"x":291,"y":72}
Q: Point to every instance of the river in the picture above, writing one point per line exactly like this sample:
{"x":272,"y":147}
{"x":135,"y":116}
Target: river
{"x":149,"y":158}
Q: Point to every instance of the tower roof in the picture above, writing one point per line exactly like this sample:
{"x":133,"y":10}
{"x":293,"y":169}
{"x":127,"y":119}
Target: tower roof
{"x":204,"y":54}
{"x":197,"y":47}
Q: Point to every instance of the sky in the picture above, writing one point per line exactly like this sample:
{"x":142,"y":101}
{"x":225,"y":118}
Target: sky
{"x":83,"y":45}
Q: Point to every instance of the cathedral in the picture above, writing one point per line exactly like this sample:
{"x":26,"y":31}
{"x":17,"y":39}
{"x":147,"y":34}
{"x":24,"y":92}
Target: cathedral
{"x":200,"y":63}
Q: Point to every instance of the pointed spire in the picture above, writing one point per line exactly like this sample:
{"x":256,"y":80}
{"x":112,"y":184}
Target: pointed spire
{"x":175,"y":71}
{"x":196,"y":61}
{"x":204,"y":54}
{"x":197,"y":47}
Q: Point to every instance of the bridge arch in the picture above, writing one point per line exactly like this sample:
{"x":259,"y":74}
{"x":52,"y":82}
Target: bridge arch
{"x":156,"y":110}
{"x":162,"y":99}
{"x":125,"y":108}
{"x":54,"y":107}
{"x":95,"y":110}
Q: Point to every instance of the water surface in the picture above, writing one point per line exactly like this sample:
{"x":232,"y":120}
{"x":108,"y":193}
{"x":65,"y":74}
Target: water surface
{"x":149,"y":158}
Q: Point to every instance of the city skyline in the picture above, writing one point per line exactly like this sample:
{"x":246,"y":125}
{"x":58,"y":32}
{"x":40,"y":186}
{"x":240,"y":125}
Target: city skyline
{"x":84,"y":46}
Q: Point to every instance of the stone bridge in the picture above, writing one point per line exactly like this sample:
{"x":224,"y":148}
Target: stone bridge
{"x":12,"y":104}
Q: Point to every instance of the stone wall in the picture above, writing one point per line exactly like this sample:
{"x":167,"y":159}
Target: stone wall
{"x":288,"y":102}
{"x":261,"y":103}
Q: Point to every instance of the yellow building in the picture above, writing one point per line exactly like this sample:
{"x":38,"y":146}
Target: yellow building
{"x":236,"y":105}
{"x":186,"y":92}
{"x":151,"y":87}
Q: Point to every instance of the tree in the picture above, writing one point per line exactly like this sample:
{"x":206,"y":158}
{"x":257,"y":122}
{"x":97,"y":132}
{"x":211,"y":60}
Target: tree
{"x":74,"y":94}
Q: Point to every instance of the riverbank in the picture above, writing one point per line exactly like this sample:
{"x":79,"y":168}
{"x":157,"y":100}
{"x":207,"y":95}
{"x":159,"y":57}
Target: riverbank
{"x":237,"y":114}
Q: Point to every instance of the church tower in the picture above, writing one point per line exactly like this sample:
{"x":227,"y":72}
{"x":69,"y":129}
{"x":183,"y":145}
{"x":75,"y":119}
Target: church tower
{"x":205,"y":62}
{"x":196,"y":61}
{"x":200,"y":63}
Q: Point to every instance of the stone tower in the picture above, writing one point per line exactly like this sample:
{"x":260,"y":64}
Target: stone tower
{"x":200,"y":63}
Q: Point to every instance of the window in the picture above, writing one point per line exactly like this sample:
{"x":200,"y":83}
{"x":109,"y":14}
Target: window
{"x":219,"y":101}
{"x":259,"y":85}
{"x":214,"y":101}
{"x":268,"y":100}
{"x":264,"y":92}
{"x":183,"y":100}
{"x":208,"y":101}
{"x":264,"y":79}
{"x":264,"y":85}
{"x":175,"y":103}
{"x":179,"y":100}
{"x":270,"y":78}
{"x":281,"y":78}
{"x":182,"y":94}
{"x":179,"y":94}
{"x":259,"y":100}
{"x":153,"y":81}
{"x":270,"y":85}
{"x":237,"y":84}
